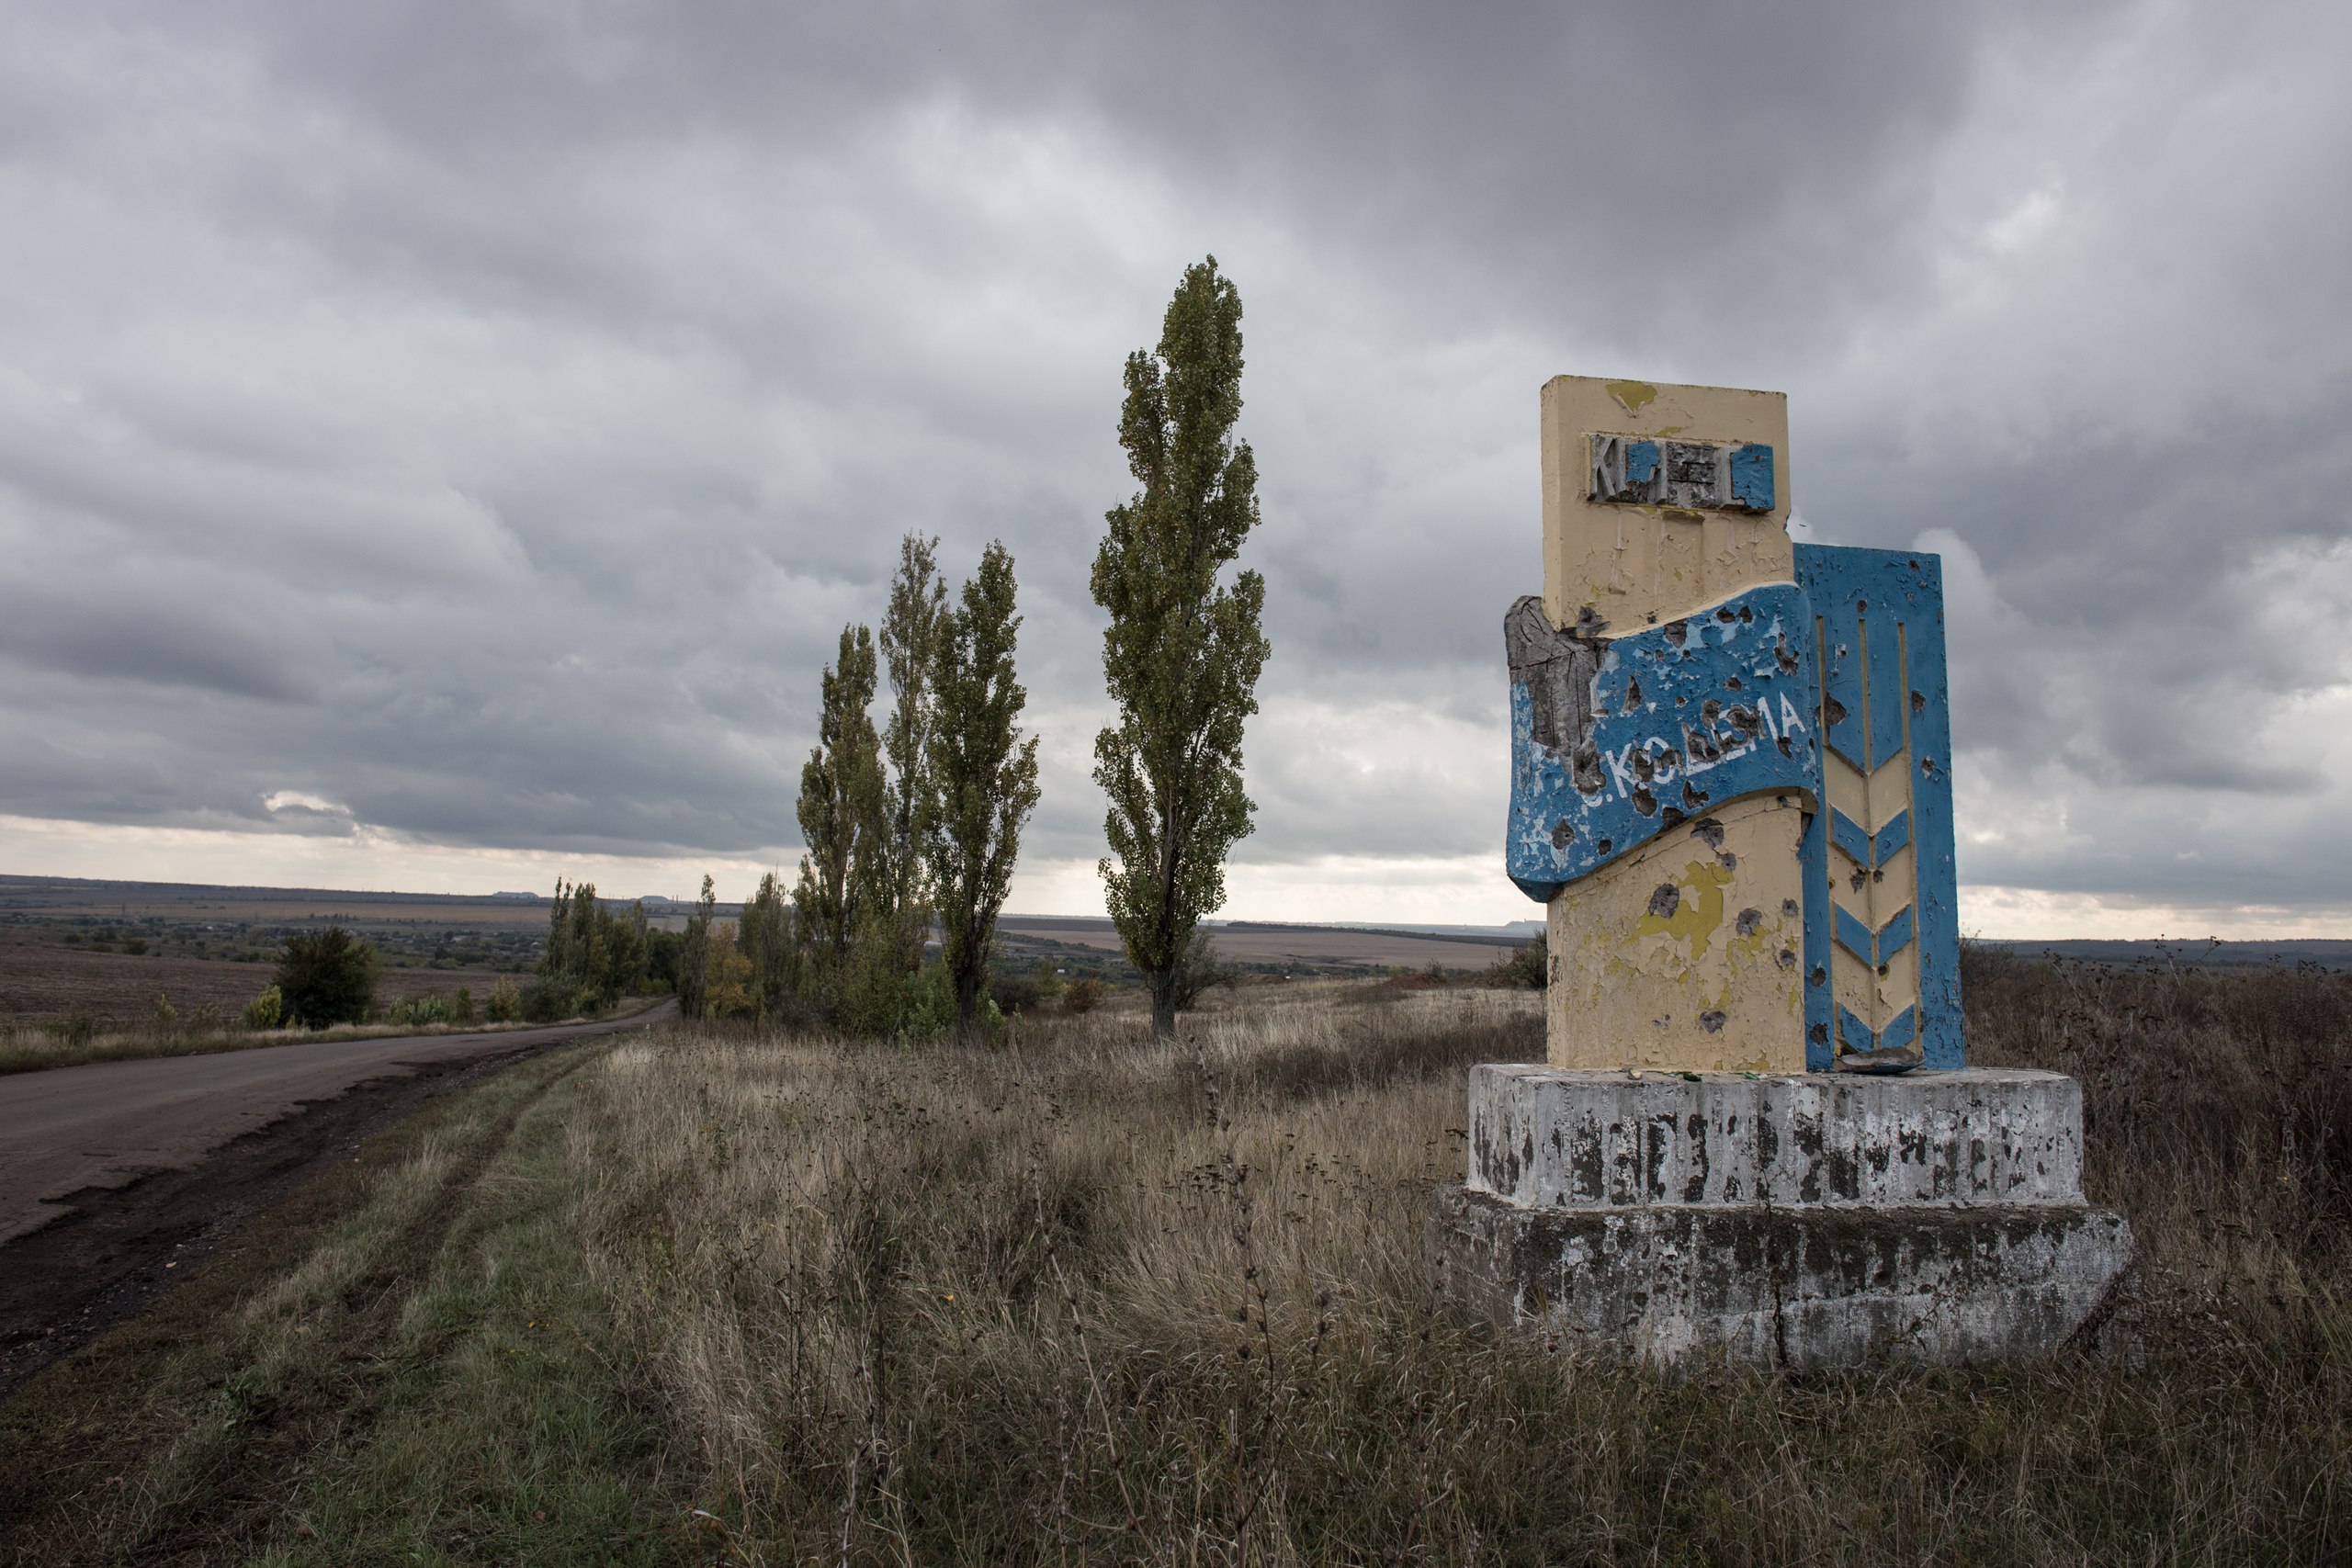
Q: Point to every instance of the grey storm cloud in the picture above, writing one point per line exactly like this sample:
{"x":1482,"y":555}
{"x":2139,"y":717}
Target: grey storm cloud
{"x":483,"y":417}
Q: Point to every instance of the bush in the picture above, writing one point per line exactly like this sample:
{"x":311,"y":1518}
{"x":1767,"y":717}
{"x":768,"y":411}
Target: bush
{"x":1528,"y":967}
{"x":461,"y":1011}
{"x":266,"y":1011}
{"x":1083,"y":996}
{"x":504,"y":1004}
{"x":327,"y":977}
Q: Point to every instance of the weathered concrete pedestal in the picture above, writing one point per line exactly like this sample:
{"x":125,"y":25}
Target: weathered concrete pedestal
{"x":1803,"y":1220}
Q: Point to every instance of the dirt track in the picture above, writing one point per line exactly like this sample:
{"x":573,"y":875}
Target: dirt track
{"x":113,"y":1173}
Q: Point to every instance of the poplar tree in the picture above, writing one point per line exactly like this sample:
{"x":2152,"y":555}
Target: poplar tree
{"x":910,"y":641}
{"x":1184,"y":651}
{"x":841,"y":811}
{"x":984,"y":774}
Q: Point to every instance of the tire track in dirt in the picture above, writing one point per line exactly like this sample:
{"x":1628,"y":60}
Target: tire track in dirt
{"x":121,"y":1248}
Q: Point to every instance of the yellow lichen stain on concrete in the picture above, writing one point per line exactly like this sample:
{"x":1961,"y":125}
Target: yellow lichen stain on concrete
{"x":1698,"y":909}
{"x":1634,"y":396}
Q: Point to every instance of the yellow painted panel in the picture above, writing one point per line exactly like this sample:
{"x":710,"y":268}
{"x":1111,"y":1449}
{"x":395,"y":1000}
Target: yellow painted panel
{"x":1687,"y":955}
{"x":1636,"y":566}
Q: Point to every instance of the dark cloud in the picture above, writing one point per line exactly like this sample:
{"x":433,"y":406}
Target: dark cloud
{"x":480,"y":418}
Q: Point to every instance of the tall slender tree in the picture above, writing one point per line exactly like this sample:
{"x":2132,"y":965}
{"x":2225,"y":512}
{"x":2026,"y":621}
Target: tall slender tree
{"x":841,"y":812}
{"x":1183,"y":651}
{"x":909,"y":640}
{"x":984,"y":773}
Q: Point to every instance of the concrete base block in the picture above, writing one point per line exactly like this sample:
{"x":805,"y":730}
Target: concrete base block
{"x":1806,"y":1289}
{"x":1802,"y":1222}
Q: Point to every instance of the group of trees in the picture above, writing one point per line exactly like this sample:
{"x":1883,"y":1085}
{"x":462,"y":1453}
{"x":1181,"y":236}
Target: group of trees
{"x":915,"y":824}
{"x":595,"y":956}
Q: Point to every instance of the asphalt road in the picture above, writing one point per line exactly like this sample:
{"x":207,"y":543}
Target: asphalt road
{"x":106,"y":1124}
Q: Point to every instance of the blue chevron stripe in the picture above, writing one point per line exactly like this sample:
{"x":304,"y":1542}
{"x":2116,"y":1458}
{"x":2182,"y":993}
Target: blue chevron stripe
{"x":1874,"y":948}
{"x":1855,"y":937}
{"x":1896,"y":935}
{"x":1894,"y":1036}
{"x":1865,"y":849}
{"x":1847,"y":835}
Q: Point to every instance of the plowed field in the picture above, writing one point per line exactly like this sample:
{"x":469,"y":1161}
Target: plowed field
{"x":45,"y":981}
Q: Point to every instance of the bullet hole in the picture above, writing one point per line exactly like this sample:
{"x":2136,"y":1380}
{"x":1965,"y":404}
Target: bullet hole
{"x":1606,"y":845}
{"x":1644,"y":801}
{"x":1633,"y":696}
{"x":1712,"y":1022}
{"x":1918,"y":702}
{"x":1677,"y":632}
{"x":1786,"y":749}
{"x":1564,"y":833}
{"x":1746,"y":616}
{"x":1665,"y":900}
{"x":1859,"y":877}
{"x":1727,"y":860}
{"x":1668,"y":816}
{"x":1789,"y":662}
{"x":1928,"y":766}
{"x":1710,"y":711}
{"x":1820,"y":976}
{"x":1747,"y":922}
{"x":1584,"y":769}
{"x":1788,"y":959}
{"x":1731,"y":684}
{"x":1744,"y":722}
{"x":1726,"y":614}
{"x":1833,"y":711}
{"x":1789,"y":908}
{"x":1645,"y":766}
{"x":1588,"y":623}
{"x":1820,"y":1034}
{"x":1708,"y":831}
{"x":1879,"y":876}
{"x":1693,"y":799}
{"x":1861,"y":607}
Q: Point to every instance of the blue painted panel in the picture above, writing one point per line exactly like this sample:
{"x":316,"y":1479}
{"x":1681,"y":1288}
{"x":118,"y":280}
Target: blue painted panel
{"x":1855,"y":938}
{"x":1679,"y":720}
{"x":1895,"y":936}
{"x":1820,"y":1051}
{"x":1883,"y":677}
{"x":1881,"y":613}
{"x":1640,"y":462}
{"x":1751,"y":476}
{"x":1845,"y":725}
{"x":1849,"y":836}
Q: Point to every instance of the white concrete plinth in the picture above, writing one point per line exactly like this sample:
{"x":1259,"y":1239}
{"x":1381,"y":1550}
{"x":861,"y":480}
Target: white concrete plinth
{"x":1802,"y":1221}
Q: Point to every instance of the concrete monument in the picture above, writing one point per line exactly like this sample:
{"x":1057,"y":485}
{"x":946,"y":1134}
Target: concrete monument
{"x":1756,"y":1131}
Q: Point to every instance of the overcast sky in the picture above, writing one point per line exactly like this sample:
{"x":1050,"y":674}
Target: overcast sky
{"x":440,"y":442}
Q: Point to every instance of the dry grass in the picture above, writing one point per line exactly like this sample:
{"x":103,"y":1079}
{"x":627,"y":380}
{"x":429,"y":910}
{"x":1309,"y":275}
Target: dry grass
{"x":1095,"y":1299}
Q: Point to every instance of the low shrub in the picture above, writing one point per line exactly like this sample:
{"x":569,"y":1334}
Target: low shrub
{"x":266,"y":1011}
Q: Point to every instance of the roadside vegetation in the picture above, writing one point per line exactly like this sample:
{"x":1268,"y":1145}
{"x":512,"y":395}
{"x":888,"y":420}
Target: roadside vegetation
{"x":725,"y":1292}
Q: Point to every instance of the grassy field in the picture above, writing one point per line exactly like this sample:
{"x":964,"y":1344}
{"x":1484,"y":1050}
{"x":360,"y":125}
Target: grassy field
{"x":720,"y":1296}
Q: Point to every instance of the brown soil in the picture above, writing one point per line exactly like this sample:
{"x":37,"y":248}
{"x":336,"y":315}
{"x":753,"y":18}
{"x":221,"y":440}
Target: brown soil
{"x":47,"y":981}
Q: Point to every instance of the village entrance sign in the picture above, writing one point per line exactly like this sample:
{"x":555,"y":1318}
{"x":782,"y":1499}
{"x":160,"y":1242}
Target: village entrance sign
{"x":1756,"y":1131}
